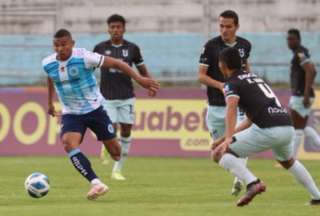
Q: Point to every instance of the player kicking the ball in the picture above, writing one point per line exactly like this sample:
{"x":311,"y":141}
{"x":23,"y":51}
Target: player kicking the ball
{"x":71,"y":71}
{"x":267,"y":126}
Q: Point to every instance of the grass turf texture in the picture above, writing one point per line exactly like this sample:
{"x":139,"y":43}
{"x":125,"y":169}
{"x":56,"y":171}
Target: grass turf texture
{"x":155,"y":186}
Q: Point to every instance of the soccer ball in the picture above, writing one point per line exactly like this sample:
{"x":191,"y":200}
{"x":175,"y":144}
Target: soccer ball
{"x":37,"y":185}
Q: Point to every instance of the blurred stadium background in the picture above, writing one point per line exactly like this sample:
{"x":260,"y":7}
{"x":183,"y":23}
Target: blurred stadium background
{"x":170,"y":32}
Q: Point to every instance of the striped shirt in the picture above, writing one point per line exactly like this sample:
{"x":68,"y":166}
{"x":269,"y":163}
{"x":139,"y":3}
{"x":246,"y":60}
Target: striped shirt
{"x":74,"y":80}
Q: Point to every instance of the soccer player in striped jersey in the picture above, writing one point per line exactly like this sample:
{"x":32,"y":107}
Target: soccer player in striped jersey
{"x":71,"y":72}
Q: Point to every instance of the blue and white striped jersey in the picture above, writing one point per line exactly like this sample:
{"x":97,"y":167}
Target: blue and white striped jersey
{"x":74,"y":80}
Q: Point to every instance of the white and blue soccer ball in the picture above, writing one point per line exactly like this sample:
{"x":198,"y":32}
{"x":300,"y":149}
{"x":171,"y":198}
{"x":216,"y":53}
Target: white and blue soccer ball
{"x":37,"y":185}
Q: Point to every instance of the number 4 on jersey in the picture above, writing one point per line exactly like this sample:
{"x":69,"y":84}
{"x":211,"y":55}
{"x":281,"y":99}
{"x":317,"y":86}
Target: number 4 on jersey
{"x":265,"y":89}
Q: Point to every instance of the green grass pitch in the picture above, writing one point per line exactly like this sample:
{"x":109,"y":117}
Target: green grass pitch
{"x":155,"y":186}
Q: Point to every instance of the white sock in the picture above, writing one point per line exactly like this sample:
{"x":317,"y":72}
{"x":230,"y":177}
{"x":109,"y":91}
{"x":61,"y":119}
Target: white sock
{"x":244,"y":162}
{"x":125,"y":143}
{"x":304,"y":177}
{"x":237,"y":168}
{"x":313,"y":134}
{"x":297,"y":142}
{"x":96,"y":181}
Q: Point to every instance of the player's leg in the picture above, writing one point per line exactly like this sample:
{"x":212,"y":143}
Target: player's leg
{"x":237,"y":183}
{"x":125,"y":142}
{"x":247,"y":142}
{"x":111,"y":109}
{"x":101,"y":125}
{"x":126,"y":119}
{"x":283,"y":151}
{"x":71,"y":136}
{"x":299,"y":124}
{"x":299,"y":115}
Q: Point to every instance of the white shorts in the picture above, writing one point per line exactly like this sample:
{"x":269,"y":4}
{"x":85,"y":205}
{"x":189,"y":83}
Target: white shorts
{"x":254,"y":140}
{"x":120,"y":111}
{"x":215,"y":120}
{"x":296,"y":104}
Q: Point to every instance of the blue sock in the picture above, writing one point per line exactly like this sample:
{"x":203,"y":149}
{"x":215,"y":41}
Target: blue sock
{"x":82,"y":164}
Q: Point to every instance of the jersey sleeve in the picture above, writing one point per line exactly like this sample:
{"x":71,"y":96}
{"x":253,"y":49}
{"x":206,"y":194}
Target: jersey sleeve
{"x":231,"y":89}
{"x":137,"y":57}
{"x":248,"y":50}
{"x":303,"y":57}
{"x":93,"y":60}
{"x":205,"y":56}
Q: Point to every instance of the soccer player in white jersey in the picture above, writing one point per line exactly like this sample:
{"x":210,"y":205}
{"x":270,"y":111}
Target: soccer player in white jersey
{"x":71,"y":72}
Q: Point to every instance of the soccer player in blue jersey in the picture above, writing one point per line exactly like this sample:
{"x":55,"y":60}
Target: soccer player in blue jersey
{"x":71,"y":72}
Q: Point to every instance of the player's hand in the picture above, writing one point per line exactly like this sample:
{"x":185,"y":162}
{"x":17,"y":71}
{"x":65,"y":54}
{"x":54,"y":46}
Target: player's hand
{"x":306,"y":101}
{"x":223,"y":147}
{"x":150,"y":84}
{"x":152,"y":93}
{"x":52,"y":111}
{"x":221,"y":86}
{"x":217,"y":142}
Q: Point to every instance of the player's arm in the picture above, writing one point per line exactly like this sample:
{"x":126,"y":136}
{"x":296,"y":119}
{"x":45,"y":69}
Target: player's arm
{"x":51,"y":108}
{"x":310,"y":73}
{"x":247,"y":67}
{"x":205,"y":60}
{"x":206,"y":80}
{"x":145,"y":73}
{"x":244,"y":124}
{"x":231,"y":116}
{"x":145,"y":82}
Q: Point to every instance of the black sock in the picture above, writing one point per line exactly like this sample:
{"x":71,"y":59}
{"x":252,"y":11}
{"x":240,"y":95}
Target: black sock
{"x":82,"y":164}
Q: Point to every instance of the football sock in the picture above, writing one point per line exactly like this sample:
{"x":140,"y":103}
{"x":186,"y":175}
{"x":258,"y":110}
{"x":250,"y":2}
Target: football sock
{"x":232,"y":164}
{"x":312,"y":133}
{"x":125,"y":143}
{"x":297,"y":141}
{"x":244,"y":162}
{"x":304,"y":177}
{"x":82,"y":164}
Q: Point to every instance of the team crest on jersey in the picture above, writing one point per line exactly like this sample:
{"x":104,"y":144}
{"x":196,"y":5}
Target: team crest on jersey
{"x":241,"y":52}
{"x":73,"y":71}
{"x":108,"y":52}
{"x":110,"y":128}
{"x":301,"y":55}
{"x":125,"y":52}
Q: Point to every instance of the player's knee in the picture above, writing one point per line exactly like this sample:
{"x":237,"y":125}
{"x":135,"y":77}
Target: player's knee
{"x":113,"y":148}
{"x":216,"y":156}
{"x":287,"y":164}
{"x":125,"y":134}
{"x":68,"y":144}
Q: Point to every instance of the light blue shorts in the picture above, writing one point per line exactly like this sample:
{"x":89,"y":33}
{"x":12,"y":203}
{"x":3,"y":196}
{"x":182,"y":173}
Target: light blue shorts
{"x":120,"y":111}
{"x":215,"y":120}
{"x":254,"y":140}
{"x":296,"y":104}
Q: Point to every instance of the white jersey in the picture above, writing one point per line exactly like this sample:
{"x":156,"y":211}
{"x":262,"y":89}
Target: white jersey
{"x":74,"y":81}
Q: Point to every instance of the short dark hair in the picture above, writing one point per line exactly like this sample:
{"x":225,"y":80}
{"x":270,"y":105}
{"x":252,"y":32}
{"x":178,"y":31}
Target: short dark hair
{"x":231,"y":57}
{"x":62,"y":33}
{"x":295,"y":32}
{"x":230,"y":14}
{"x":116,"y":18}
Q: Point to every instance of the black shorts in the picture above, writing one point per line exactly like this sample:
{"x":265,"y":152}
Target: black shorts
{"x":98,"y":121}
